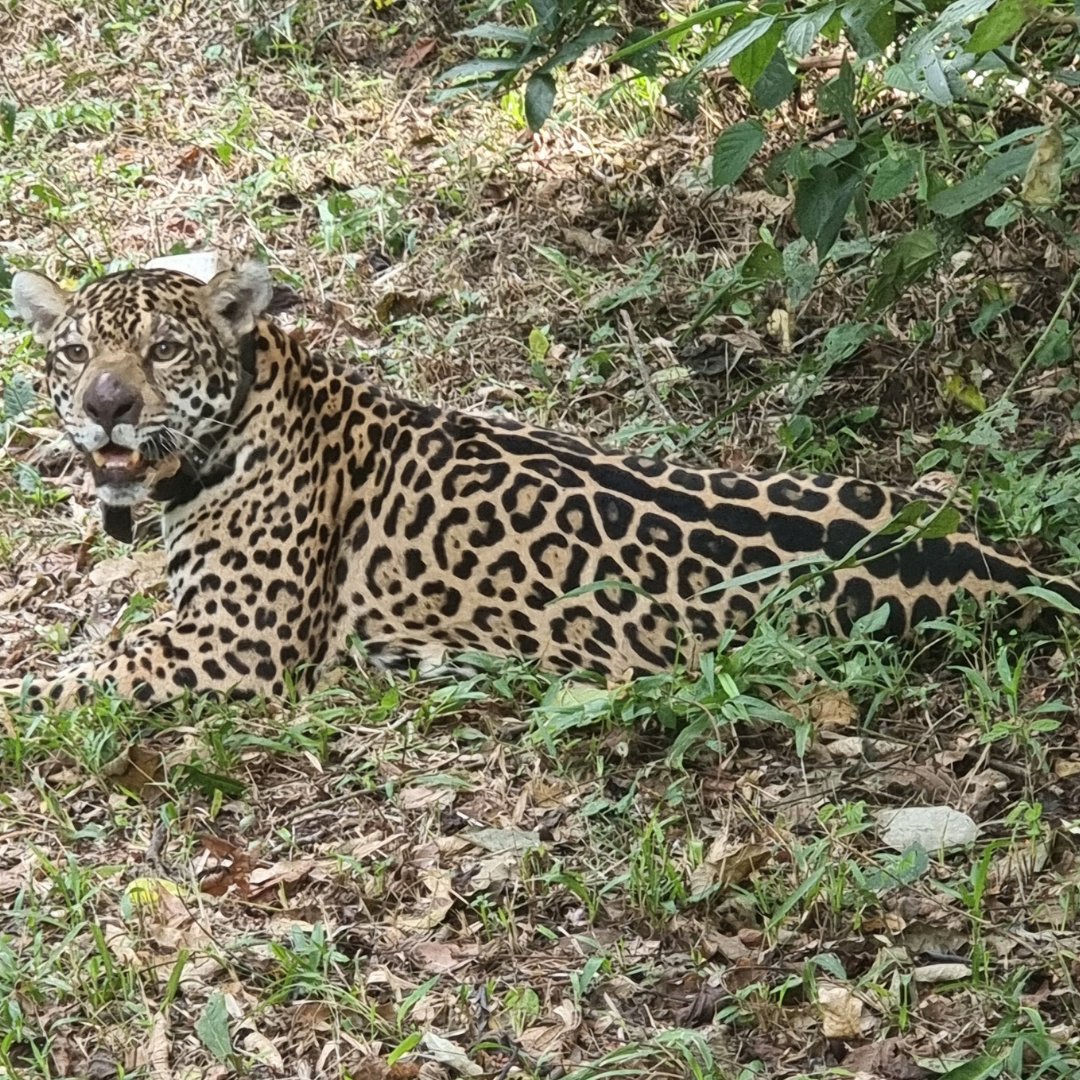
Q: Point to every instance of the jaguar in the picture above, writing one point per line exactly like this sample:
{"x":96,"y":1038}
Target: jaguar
{"x":304,"y":507}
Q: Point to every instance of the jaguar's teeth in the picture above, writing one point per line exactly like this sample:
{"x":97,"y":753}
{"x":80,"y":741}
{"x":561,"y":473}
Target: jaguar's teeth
{"x":99,"y":459}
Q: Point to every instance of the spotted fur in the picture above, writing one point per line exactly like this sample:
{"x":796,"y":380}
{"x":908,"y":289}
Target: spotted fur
{"x":324,"y":507}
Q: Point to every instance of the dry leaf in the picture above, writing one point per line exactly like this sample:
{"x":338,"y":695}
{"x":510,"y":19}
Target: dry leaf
{"x":939,"y":973}
{"x":500,"y":841}
{"x":264,"y":1051}
{"x":265,"y":880}
{"x":447,"y":1053}
{"x":930,"y":827}
{"x":728,"y":863}
{"x":438,"y":882}
{"x":1042,"y":181}
{"x":155,"y":1052}
{"x":134,"y":770}
{"x":832,"y":709}
{"x":841,"y":1012}
{"x":590,"y":243}
{"x":418,"y":52}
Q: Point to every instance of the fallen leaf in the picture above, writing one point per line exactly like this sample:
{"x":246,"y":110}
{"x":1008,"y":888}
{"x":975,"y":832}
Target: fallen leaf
{"x":503,"y":840}
{"x":264,"y":880}
{"x":831,"y":709}
{"x":590,"y":243}
{"x":418,"y":52}
{"x":134,"y":770}
{"x":155,"y":1051}
{"x":197,"y":264}
{"x":264,"y":1051}
{"x":436,"y":908}
{"x":841,"y":1012}
{"x":933,"y":828}
{"x":727,"y":863}
{"x":1042,"y":181}
{"x":939,"y":973}
{"x":886,"y":1060}
{"x":447,"y":1053}
{"x":442,"y":956}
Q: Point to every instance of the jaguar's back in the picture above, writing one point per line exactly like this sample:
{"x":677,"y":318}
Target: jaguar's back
{"x":304,"y":506}
{"x":494,"y":535}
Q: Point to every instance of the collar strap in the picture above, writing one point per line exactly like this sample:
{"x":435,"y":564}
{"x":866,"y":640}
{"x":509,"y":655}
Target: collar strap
{"x":185,"y":482}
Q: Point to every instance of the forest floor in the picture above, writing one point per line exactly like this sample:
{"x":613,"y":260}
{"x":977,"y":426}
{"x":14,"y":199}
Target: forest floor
{"x":500,"y":877}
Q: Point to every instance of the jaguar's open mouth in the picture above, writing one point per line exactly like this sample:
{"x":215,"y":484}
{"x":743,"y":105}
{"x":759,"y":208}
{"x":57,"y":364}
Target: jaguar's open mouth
{"x":114,"y":464}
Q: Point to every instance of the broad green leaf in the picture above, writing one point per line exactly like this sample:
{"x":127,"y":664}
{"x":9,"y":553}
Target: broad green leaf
{"x":800,"y":270}
{"x":539,"y":344}
{"x":709,"y":14}
{"x":906,"y":262}
{"x":646,"y":59}
{"x":802,"y":34}
{"x":18,"y":397}
{"x":735,"y":42}
{"x":982,"y":1067}
{"x":1052,"y":599}
{"x":944,"y":523}
{"x":1004,"y":215}
{"x":931,"y":62}
{"x":764,"y":263}
{"x":843,"y":341}
{"x":733,"y":150}
{"x":578,"y":46}
{"x":478,"y":69}
{"x":908,"y":516}
{"x":837,"y":97}
{"x":892,"y":178}
{"x":539,"y":98}
{"x":982,"y":185}
{"x":775,"y":84}
{"x":546,"y":12}
{"x":751,"y":63}
{"x":682,"y":94}
{"x":212,"y":1027}
{"x":512,"y":35}
{"x":1055,"y":347}
{"x":871,"y":25}
{"x":999,"y":25}
{"x":822,"y":201}
{"x":7,"y":120}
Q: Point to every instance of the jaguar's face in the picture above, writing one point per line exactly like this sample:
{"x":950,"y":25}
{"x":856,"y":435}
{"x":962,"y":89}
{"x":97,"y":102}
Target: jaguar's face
{"x":143,"y":365}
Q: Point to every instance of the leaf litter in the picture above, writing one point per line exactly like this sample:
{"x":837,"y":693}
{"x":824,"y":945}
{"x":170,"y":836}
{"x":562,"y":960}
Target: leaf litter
{"x":305,"y":890}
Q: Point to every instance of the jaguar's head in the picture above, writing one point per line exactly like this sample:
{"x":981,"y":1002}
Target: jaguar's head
{"x":144,"y":366}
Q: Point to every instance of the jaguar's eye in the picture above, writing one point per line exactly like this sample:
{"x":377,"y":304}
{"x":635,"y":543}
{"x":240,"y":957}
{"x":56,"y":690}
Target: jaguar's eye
{"x":75,"y":354}
{"x":166,"y":350}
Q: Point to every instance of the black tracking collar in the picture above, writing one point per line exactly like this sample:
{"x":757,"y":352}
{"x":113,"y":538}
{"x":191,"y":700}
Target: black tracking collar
{"x":184,"y":483}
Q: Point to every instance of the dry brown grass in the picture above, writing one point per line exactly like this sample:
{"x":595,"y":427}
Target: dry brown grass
{"x":381,"y":862}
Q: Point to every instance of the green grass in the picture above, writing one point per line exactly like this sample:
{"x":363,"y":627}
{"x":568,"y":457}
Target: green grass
{"x":669,"y":878}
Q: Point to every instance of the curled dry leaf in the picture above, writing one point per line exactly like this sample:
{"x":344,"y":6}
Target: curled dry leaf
{"x":155,"y":1052}
{"x":135,"y":769}
{"x":448,"y":1053}
{"x":831,"y":709}
{"x":590,"y":243}
{"x":264,"y":1051}
{"x":437,"y":906}
{"x":727,"y":863}
{"x":841,"y":1012}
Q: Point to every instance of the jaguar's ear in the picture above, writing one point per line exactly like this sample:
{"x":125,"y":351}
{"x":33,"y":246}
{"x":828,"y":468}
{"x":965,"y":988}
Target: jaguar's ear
{"x":39,"y":302}
{"x":238,"y":297}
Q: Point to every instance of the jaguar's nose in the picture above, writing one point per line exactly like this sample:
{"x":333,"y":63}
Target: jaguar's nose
{"x":110,"y":401}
